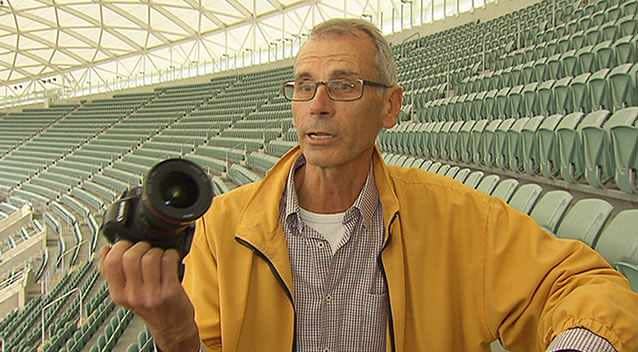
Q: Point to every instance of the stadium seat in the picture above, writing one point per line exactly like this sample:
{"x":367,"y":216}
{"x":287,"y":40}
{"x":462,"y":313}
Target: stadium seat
{"x":505,"y":189}
{"x":579,"y":93}
{"x":525,"y":197}
{"x":584,"y":220}
{"x":570,"y":147}
{"x":624,"y":86}
{"x":625,"y":50}
{"x":473,"y":179}
{"x":550,"y":209}
{"x":562,"y":95}
{"x":487,"y":184}
{"x":527,"y":159}
{"x":599,"y":90}
{"x":618,"y":243}
{"x":548,"y":157}
{"x":623,"y":128}
{"x":597,"y":150}
{"x":462,"y":174}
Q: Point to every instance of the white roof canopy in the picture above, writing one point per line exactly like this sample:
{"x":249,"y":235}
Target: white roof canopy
{"x":79,"y":41}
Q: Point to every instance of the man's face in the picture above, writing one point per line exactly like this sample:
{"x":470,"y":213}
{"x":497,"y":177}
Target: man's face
{"x":335,"y":133}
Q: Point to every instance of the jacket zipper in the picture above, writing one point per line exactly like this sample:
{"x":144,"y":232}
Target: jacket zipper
{"x":385,"y":277}
{"x":281,"y":282}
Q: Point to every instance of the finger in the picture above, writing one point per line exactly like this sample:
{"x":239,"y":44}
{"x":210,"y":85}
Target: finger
{"x":170,"y":262}
{"x":132,"y":265}
{"x":100,"y":258}
{"x":112,"y":265}
{"x":151,"y":273}
{"x":114,"y":273}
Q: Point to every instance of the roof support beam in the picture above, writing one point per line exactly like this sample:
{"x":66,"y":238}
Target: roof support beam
{"x":239,"y":7}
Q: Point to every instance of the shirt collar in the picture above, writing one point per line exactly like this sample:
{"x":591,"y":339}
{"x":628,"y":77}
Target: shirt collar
{"x":363,"y":207}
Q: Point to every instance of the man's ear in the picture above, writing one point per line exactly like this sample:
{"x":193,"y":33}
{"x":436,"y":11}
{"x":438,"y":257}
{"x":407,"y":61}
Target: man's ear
{"x":392,"y":106}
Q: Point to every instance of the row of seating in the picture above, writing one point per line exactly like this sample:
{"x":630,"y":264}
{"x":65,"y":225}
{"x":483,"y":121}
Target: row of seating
{"x":596,"y":148}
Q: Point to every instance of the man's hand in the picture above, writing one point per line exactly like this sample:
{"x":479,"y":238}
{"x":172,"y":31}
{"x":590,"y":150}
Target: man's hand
{"x":144,"y":279}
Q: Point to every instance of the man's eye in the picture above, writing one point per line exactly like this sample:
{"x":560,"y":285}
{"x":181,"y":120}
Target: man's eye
{"x":306,"y":87}
{"x":343,"y":85}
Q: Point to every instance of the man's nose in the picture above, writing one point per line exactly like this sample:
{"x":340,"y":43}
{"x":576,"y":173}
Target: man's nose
{"x":321,"y":104}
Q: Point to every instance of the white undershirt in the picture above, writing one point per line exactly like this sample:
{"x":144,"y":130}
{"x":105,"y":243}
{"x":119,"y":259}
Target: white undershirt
{"x":330,"y":226}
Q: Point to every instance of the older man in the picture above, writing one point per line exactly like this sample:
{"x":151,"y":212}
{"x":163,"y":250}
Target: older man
{"x":335,"y":251}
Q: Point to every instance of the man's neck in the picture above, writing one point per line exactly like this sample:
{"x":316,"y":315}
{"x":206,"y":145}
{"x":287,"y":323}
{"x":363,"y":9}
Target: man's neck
{"x":331,"y":190}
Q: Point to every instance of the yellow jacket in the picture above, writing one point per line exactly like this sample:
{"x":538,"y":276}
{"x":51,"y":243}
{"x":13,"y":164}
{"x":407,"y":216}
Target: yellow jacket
{"x":462,"y":270}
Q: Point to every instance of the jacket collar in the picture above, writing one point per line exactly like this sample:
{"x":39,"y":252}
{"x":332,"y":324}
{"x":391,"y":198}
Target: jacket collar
{"x":260,"y":223}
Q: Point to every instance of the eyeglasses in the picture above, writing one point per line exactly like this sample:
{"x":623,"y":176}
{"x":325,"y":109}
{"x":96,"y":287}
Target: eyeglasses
{"x":338,"y":89}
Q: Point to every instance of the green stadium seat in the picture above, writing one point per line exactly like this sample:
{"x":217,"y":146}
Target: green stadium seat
{"x":594,"y":35}
{"x":624,"y":86}
{"x":528,"y":158}
{"x":569,"y":63}
{"x":562,"y":95}
{"x":476,"y":141}
{"x":464,"y":143}
{"x":443,"y":169}
{"x":454,"y":141}
{"x":525,"y":197}
{"x":570,"y":147}
{"x":599,"y":90}
{"x":598,"y":18}
{"x":550,"y":209}
{"x":586,"y":59}
{"x":618,"y":242}
{"x":604,"y":55}
{"x":625,"y":50}
{"x":515,"y":101}
{"x":613,"y":13}
{"x":473,"y":179}
{"x":578,"y":87}
{"x":584,"y":220}
{"x":462,"y":174}
{"x":545,"y":102}
{"x":597,"y":149}
{"x":488,"y":142}
{"x":577,"y":40}
{"x":548,"y":157}
{"x":627,"y":26}
{"x":552,"y":69}
{"x":624,"y":139}
{"x":487,"y":184}
{"x":629,"y":8}
{"x":501,"y":108}
{"x":529,"y":100}
{"x":435,"y":167}
{"x":452,"y":171}
{"x":515,"y":144}
{"x":505,"y":189}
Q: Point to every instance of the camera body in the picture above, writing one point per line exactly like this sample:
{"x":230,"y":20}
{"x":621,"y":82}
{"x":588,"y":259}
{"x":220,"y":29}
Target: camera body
{"x":176,"y":192}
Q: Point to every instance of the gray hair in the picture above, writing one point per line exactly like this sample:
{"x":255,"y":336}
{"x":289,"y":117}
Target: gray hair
{"x":386,"y":66}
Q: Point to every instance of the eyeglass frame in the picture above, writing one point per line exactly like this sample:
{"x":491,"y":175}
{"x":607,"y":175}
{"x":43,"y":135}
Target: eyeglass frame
{"x":363,"y":83}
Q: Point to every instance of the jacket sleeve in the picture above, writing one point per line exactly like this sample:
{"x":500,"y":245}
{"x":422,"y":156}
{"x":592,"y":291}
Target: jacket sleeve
{"x":537,"y":286}
{"x":202,"y":286}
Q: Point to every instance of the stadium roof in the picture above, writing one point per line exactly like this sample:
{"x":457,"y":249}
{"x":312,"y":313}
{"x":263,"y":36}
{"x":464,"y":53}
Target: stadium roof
{"x":79,"y":41}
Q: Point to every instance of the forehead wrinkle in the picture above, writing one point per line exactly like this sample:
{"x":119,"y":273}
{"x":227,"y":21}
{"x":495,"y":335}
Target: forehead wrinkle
{"x":334,"y":66}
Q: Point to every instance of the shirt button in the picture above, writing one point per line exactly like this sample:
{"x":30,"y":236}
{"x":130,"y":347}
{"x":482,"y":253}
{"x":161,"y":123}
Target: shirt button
{"x":326,"y":349}
{"x":328,"y":298}
{"x":320,"y":245}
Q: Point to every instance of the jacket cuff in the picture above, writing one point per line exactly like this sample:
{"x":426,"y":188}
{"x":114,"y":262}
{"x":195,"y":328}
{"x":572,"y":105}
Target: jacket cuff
{"x":581,"y":340}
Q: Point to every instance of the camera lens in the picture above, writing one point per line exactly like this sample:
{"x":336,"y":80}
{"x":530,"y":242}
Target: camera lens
{"x":176,"y":191}
{"x":179,"y":190}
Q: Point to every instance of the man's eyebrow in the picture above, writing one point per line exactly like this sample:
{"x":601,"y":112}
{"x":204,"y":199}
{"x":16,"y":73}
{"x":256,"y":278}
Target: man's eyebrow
{"x":303,"y":75}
